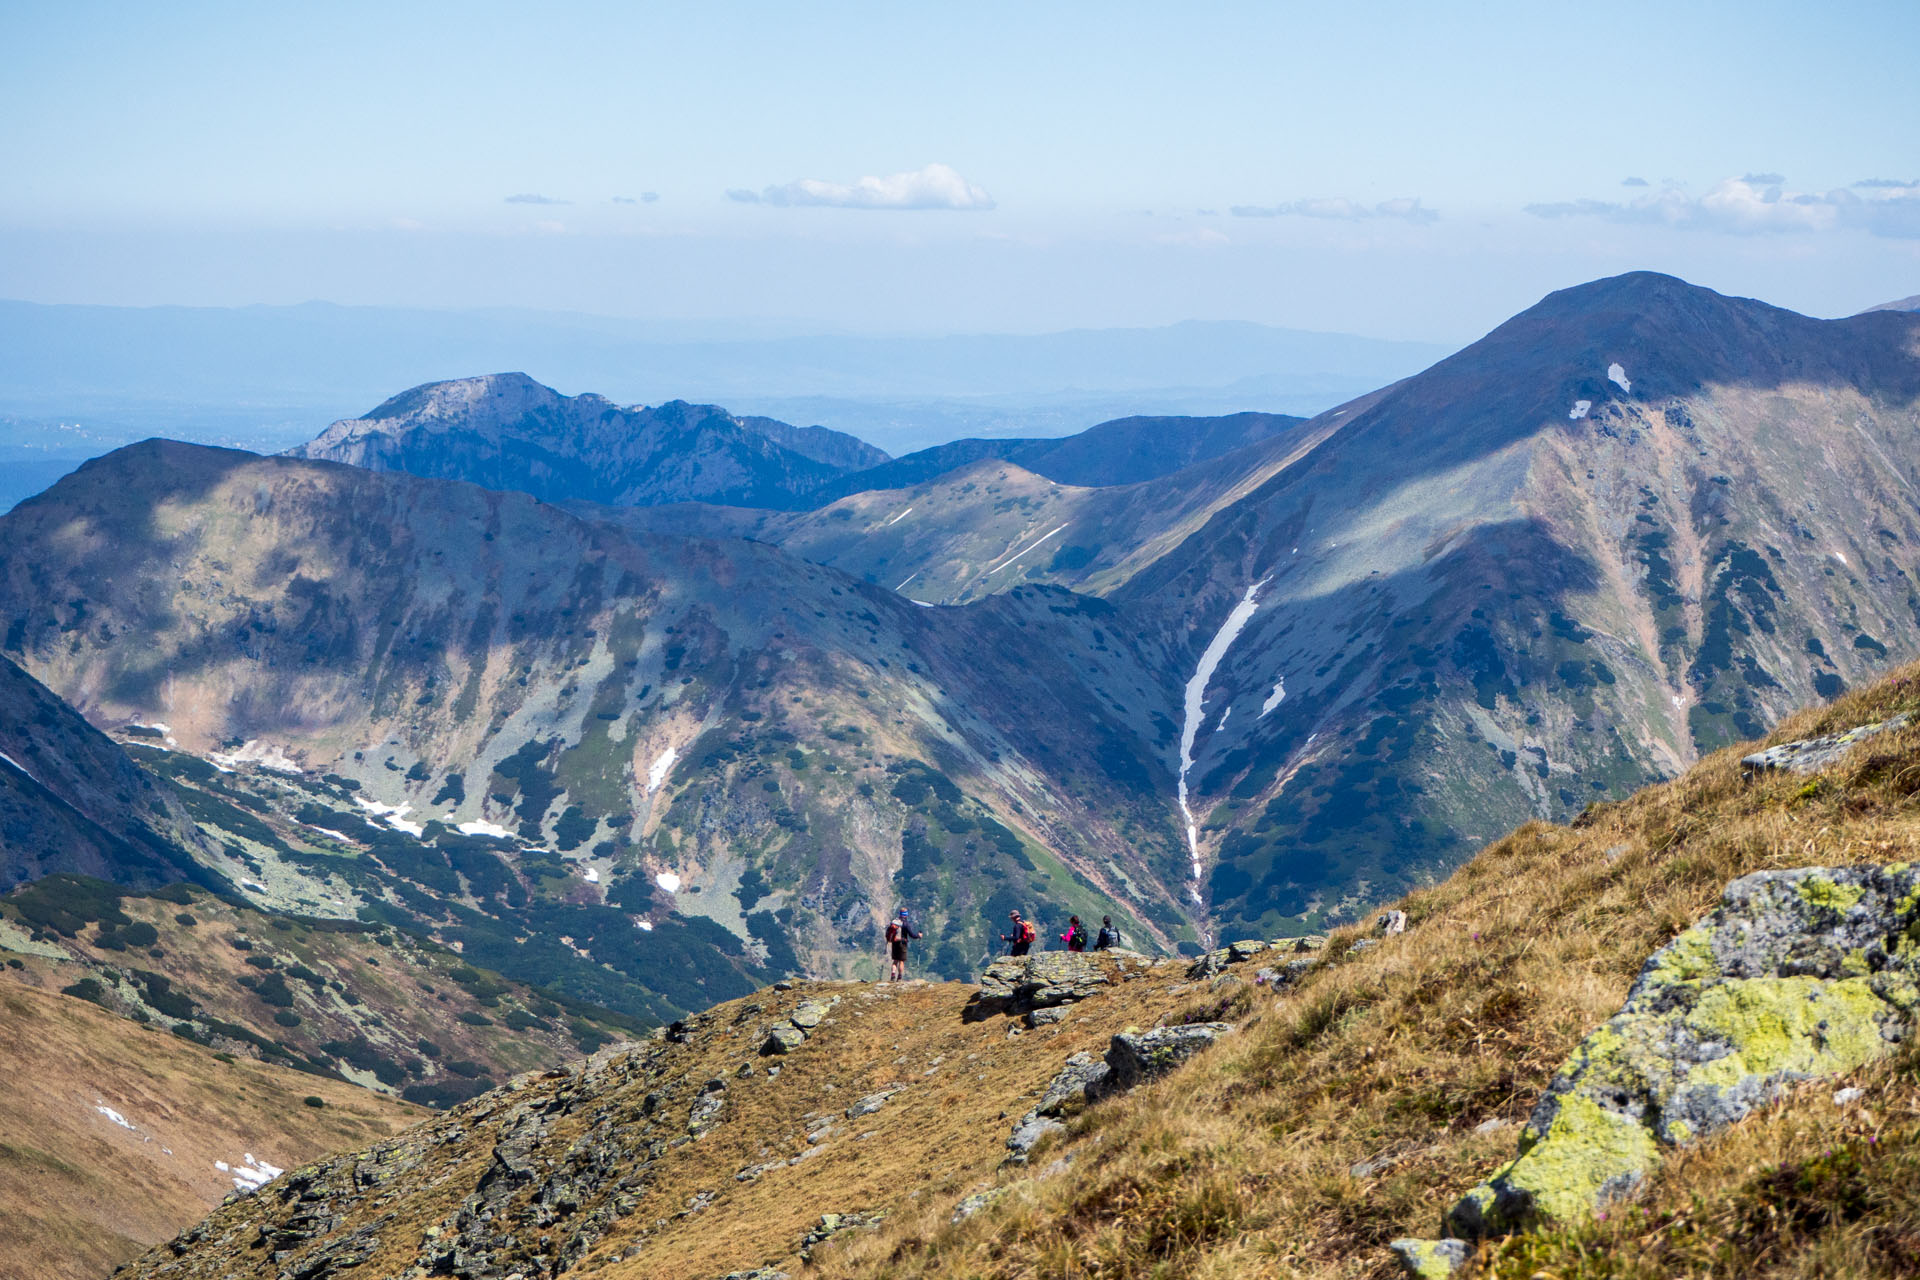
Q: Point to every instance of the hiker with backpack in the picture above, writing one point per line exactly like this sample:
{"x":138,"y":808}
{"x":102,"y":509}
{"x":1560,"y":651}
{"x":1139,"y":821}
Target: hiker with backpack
{"x":1022,"y":936}
{"x":1075,"y":937}
{"x":1109,"y":936}
{"x":899,"y":932}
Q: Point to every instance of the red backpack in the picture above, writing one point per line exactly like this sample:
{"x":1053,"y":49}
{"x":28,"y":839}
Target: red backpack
{"x":893,"y":931}
{"x":1026,"y":931}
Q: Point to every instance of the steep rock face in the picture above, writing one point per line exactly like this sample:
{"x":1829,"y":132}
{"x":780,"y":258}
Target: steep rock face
{"x":72,"y":800}
{"x":507,"y":431}
{"x":1634,"y":524}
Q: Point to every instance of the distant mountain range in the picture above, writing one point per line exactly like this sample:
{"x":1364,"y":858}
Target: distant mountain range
{"x":265,"y":378}
{"x":1208,"y":675}
{"x":509,"y":432}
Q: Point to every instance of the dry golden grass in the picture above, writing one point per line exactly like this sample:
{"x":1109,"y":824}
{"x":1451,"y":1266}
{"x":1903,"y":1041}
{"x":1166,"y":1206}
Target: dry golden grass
{"x":1351,"y":1110}
{"x":79,"y":1193}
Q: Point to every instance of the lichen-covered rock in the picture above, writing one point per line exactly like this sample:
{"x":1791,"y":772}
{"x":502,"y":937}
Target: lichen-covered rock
{"x":1027,"y":1134}
{"x":1019,"y":984}
{"x":1810,"y":755}
{"x":782,"y":1037}
{"x":1431,"y":1259}
{"x":1076,"y":1084}
{"x":1795,"y":975}
{"x":808,"y":1014}
{"x":872,"y":1102}
{"x":1137,"y":1056}
{"x":832,"y":1224}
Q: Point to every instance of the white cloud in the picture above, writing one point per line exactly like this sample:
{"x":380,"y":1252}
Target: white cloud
{"x":528,"y":197}
{"x":1760,"y":203}
{"x":1338,"y":207}
{"x":937,"y":186}
{"x":1634,"y":182}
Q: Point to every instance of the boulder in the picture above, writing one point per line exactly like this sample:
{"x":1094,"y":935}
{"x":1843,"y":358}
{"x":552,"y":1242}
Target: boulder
{"x":808,"y":1013}
{"x":1027,"y":1134}
{"x":1431,"y":1259}
{"x":1810,"y":755}
{"x":783,"y":1037}
{"x":1020,"y":984}
{"x":832,"y":1224}
{"x":1077,"y":1083}
{"x":1795,"y":975}
{"x":871,"y":1103}
{"x":976,"y":1202}
{"x":1134,"y":1057}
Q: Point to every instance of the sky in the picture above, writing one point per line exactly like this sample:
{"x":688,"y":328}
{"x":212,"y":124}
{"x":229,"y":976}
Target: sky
{"x":1396,"y":170}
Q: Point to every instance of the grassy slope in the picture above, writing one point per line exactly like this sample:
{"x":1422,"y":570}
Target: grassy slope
{"x":82,"y":1194}
{"x":1353,"y":1109}
{"x":1244,"y":1165}
{"x":390,"y":989}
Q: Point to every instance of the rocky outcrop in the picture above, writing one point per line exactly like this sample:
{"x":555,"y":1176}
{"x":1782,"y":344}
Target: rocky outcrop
{"x":1132,"y":1058}
{"x":832,"y":1224}
{"x":1290,"y":952}
{"x":1022,"y":984}
{"x":1810,"y":755}
{"x":1431,"y":1259}
{"x":1796,"y":975}
{"x":791,"y":1032}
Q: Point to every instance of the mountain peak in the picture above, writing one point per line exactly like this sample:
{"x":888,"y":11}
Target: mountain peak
{"x":457,"y":397}
{"x":508,"y":431}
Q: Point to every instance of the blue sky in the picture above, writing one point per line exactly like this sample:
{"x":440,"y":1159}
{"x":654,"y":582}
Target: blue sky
{"x":1391,"y":169}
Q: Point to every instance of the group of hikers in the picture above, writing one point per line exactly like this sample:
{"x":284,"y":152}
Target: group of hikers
{"x":900,"y":932}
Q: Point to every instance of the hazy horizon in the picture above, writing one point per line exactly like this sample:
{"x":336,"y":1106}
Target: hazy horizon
{"x":1390,"y":171}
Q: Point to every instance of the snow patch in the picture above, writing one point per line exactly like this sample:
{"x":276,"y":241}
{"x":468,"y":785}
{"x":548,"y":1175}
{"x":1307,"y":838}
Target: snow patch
{"x":250,"y":1175}
{"x":255,"y":752}
{"x":592,"y":876}
{"x":1678,"y":701}
{"x":1030,"y":546}
{"x":1579,"y":409}
{"x":479,"y":827}
{"x":669,"y":881}
{"x":16,"y":764}
{"x":255,"y":885}
{"x":1842,"y":559}
{"x":1274,"y":699}
{"x":909,"y":578}
{"x":115,"y":1116}
{"x":1617,"y":375}
{"x":395,"y":815}
{"x":645,"y":926}
{"x":160,"y":727}
{"x":897,"y":519}
{"x":657,"y":771}
{"x":1196,"y":702}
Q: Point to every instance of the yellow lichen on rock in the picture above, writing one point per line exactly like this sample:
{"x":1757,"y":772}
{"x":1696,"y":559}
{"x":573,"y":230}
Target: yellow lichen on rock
{"x":1798,"y":1025}
{"x":1588,"y":1155}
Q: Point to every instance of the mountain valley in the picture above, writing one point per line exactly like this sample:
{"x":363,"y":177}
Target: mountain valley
{"x":501,"y":727}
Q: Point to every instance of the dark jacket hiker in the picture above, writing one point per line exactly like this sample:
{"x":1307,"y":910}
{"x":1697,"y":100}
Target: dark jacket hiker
{"x":900,"y":931}
{"x":1021,"y":939}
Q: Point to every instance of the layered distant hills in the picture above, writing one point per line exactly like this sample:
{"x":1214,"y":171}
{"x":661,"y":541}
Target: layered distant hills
{"x":1313,"y":662}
